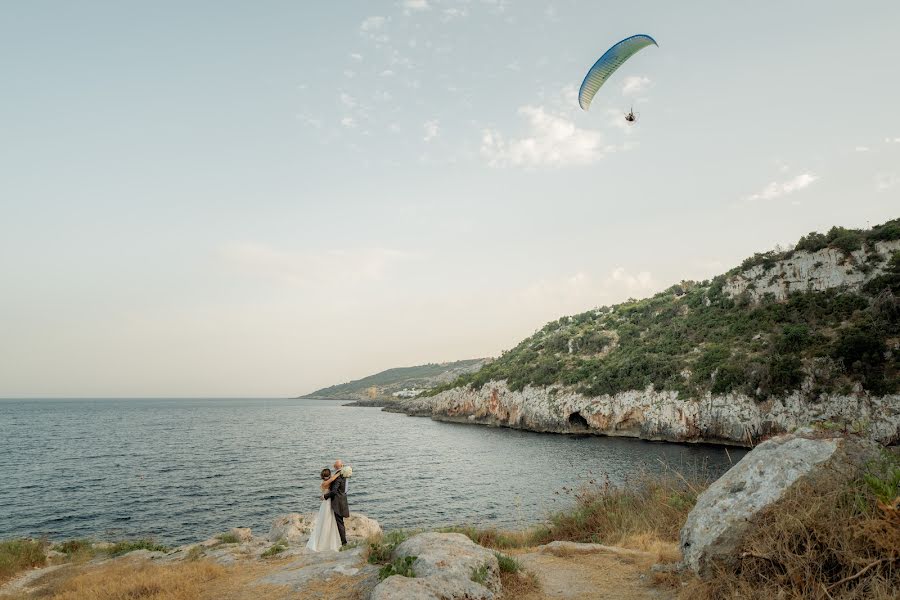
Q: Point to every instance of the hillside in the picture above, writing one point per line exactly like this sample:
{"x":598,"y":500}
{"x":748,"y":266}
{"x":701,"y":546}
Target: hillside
{"x":819,"y":320}
{"x":381,"y":386}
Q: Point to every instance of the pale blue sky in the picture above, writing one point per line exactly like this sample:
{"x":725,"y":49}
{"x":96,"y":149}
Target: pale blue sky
{"x":233,"y":198}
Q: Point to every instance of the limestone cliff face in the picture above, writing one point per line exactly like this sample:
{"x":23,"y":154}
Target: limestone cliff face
{"x":651,"y":415}
{"x":813,"y":271}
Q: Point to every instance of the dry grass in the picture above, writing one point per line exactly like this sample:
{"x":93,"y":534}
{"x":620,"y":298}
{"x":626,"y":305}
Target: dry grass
{"x":132,"y":579}
{"x":647,"y":515}
{"x":842,"y":544}
{"x":19,"y":555}
{"x":518,"y":585}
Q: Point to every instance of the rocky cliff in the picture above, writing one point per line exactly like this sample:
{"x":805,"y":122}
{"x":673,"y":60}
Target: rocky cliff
{"x":810,"y":335}
{"x":734,"y":419}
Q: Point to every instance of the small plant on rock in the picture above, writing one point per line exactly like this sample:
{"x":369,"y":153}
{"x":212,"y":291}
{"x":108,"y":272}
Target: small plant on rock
{"x":276,"y":549}
{"x":507,"y":563}
{"x":480,"y":575}
{"x":402,"y":566}
{"x":228,"y":538}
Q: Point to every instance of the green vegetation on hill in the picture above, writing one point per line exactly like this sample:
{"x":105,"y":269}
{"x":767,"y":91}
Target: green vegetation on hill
{"x":694,"y":338}
{"x":392,"y":380}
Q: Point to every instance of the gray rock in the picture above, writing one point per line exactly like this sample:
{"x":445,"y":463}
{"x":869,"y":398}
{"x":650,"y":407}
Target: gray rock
{"x":444,"y":567}
{"x":315,"y":566}
{"x":436,"y":587}
{"x":726,"y":511}
{"x":243,"y":534}
{"x":296,"y":528}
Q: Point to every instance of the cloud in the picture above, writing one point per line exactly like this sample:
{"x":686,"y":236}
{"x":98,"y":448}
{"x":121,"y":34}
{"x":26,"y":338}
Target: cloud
{"x":454,"y":13}
{"x":356,"y":56}
{"x":861,"y":149}
{"x":895,"y":140}
{"x":347,"y":100}
{"x":411,"y":5}
{"x":885,"y":181}
{"x":348,"y":122}
{"x":313,"y":269}
{"x":635,"y":85}
{"x":552,"y":140}
{"x":431,"y":130}
{"x":776,"y":189}
{"x":582,"y":291}
{"x":372,"y":28}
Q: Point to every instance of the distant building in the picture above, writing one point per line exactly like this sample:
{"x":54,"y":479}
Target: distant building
{"x":407,"y":393}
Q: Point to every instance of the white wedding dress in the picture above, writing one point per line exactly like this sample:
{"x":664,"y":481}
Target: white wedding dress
{"x":325,"y":534}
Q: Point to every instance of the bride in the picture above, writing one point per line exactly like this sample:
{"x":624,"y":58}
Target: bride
{"x":325,"y":532}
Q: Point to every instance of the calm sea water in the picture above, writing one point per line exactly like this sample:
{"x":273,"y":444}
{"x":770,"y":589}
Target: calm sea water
{"x":184,"y":470}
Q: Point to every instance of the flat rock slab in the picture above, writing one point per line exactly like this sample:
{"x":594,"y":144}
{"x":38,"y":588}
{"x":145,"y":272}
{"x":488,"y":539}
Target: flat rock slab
{"x":444,"y":567}
{"x":436,"y":587}
{"x":313,"y":566}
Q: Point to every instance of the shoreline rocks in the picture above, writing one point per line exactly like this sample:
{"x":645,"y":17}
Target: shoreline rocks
{"x":731,"y":419}
{"x":728,"y":510}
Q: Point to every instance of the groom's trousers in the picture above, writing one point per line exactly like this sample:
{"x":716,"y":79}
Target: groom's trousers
{"x":341,"y":530}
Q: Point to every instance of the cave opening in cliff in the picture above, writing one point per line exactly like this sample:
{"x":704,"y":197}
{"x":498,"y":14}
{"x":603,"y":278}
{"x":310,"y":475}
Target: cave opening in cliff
{"x":577,"y":420}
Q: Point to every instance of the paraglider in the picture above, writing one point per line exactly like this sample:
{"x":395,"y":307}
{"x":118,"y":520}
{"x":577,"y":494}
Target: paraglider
{"x":611,"y":60}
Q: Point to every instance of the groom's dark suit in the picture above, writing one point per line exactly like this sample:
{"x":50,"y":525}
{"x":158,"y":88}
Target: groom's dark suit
{"x":337,"y":492}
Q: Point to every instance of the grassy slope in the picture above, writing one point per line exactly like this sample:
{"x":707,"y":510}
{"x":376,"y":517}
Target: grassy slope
{"x":418,"y":376}
{"x":692,"y":338}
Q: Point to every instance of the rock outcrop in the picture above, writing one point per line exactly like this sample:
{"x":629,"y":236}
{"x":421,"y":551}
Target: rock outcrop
{"x":294,"y":527}
{"x":727,"y":510}
{"x":812,"y":271}
{"x":448,"y":566}
{"x":660,"y":415}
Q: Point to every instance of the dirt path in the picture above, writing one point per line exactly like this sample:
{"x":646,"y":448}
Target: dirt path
{"x":581,"y":571}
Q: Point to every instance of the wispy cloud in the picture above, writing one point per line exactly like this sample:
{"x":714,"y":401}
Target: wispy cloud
{"x":415,"y":5}
{"x":431,"y":130}
{"x":635,"y":85}
{"x":777,"y":189}
{"x":331,"y":267}
{"x":348,"y":122}
{"x":885,"y":181}
{"x":552,"y":140}
{"x":373,"y":28}
{"x":861,"y":149}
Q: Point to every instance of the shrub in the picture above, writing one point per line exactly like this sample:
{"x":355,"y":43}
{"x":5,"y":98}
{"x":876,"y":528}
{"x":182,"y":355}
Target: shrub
{"x":124,"y":547}
{"x":228,"y":538}
{"x":402,"y":566}
{"x":382,"y":547}
{"x":276,"y":549}
{"x":480,"y":575}
{"x":508,"y":564}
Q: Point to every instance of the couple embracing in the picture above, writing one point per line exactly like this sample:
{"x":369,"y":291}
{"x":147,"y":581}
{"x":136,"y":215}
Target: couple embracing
{"x":328,"y":531}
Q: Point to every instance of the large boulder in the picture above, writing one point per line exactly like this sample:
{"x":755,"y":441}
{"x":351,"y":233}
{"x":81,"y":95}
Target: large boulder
{"x":292,"y":528}
{"x":448,"y":566}
{"x":296,"y":528}
{"x":727,"y":510}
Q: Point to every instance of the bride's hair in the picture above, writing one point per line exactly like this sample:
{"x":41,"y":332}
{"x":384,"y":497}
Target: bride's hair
{"x":326,"y":473}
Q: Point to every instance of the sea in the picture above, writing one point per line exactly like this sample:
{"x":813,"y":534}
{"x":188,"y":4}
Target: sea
{"x":183,"y":470}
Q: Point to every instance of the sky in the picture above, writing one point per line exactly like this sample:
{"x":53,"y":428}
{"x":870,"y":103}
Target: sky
{"x":257,"y":199}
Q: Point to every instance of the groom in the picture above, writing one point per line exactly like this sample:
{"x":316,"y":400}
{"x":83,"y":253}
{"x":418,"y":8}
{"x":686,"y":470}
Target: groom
{"x":337,"y":492}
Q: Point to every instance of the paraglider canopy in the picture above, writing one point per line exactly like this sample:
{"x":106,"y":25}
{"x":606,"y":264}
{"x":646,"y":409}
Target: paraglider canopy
{"x":611,"y":60}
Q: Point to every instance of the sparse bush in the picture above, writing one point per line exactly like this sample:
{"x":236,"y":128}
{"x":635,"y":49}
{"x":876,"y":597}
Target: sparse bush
{"x":124,"y":547}
{"x":228,"y":538}
{"x":507,"y":564}
{"x":275,"y":549}
{"x":480,"y":575}
{"x":402,"y":566}
{"x":382,"y":547}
